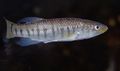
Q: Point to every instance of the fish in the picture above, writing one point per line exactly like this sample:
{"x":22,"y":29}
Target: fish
{"x":56,"y":29}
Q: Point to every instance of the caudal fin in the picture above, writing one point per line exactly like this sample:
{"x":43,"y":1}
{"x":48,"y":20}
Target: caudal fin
{"x":9,"y":29}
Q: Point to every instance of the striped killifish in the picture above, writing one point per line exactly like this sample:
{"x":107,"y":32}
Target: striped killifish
{"x":55,"y":30}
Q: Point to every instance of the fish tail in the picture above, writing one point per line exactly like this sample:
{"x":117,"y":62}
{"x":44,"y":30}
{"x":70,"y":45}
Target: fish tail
{"x":9,"y":33}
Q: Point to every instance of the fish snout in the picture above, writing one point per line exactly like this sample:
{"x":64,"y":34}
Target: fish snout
{"x":103,"y":29}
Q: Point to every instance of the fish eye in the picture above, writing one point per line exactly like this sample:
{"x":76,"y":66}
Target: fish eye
{"x":97,"y":27}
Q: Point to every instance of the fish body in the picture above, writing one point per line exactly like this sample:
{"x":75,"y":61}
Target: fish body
{"x":54,"y":30}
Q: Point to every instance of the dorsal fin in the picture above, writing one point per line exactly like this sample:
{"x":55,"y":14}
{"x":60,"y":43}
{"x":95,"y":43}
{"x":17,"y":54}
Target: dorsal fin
{"x":29,"y":20}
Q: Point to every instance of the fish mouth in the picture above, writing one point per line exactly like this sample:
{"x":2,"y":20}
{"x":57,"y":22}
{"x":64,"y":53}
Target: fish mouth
{"x":104,"y":29}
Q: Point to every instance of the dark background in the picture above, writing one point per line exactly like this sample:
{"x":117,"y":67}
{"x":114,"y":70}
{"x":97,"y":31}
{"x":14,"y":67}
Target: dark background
{"x":94,"y":54}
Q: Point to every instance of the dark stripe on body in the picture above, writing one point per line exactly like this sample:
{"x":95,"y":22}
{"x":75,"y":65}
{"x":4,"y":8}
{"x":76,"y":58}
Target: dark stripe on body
{"x":68,"y":31}
{"x":62,"y":32}
{"x":73,"y":28}
{"x":11,"y":28}
{"x":45,"y":32}
{"x":38,"y":31}
{"x":33,"y":31}
{"x":57,"y":30}
{"x":53,"y":31}
{"x":21,"y":31}
{"x":28,"y":32}
{"x":15,"y":31}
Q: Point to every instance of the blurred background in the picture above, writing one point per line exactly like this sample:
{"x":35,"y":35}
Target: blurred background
{"x":101,"y":53}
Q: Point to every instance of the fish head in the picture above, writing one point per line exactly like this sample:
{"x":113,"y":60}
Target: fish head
{"x":91,"y":29}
